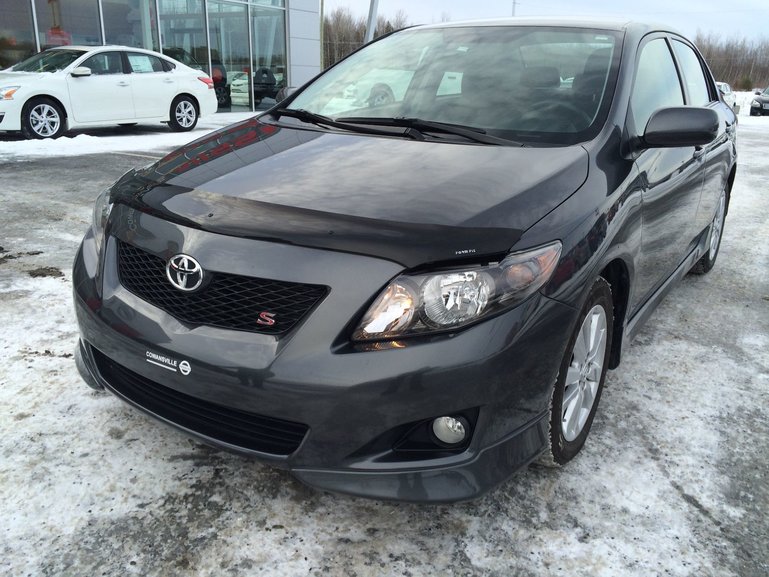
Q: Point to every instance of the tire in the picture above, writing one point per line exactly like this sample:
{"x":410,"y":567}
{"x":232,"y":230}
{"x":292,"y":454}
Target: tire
{"x":581,"y":377}
{"x":42,"y":118}
{"x":183,"y":115}
{"x":708,"y":260}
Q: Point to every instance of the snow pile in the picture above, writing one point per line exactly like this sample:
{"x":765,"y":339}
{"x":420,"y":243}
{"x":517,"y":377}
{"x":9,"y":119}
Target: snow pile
{"x":113,"y":139}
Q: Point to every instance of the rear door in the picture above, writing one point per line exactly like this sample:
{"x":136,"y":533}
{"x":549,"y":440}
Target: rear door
{"x":106,"y":94}
{"x":672,"y":177}
{"x":153,"y":85}
{"x":716,"y":156}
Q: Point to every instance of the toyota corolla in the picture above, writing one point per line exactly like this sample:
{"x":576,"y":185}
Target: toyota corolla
{"x":411,"y":297}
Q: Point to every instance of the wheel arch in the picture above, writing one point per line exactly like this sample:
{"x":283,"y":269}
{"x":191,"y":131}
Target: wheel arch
{"x":192,"y":97}
{"x":49,"y":97}
{"x":617,"y":275}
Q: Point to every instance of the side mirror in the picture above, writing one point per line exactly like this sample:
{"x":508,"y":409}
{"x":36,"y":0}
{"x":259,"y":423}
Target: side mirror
{"x":680,"y":126}
{"x":81,"y":71}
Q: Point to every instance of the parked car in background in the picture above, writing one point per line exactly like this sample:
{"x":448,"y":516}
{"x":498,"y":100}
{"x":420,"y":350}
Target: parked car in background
{"x":218,"y":72}
{"x":265,"y":84}
{"x":85,"y":86}
{"x":410,"y":297}
{"x":727,"y":94}
{"x":759,"y":106}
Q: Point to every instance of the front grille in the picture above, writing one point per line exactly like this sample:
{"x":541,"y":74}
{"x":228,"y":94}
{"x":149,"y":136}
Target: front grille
{"x":227,"y":301}
{"x":237,"y":428}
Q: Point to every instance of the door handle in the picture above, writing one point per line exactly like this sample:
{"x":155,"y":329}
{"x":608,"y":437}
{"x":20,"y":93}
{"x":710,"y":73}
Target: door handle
{"x":168,"y":81}
{"x":123,"y":83}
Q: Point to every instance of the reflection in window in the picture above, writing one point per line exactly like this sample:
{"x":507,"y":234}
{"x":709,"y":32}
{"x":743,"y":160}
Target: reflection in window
{"x":656,"y":83}
{"x":183,"y":30}
{"x":130,"y":23}
{"x":16,"y":39}
{"x":269,"y":46}
{"x":61,"y":23}
{"x":696,"y":85}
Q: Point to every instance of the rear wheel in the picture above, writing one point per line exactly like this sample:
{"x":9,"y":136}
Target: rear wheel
{"x":184,"y":114}
{"x":580,"y":380}
{"x":42,"y":118}
{"x":708,"y":259}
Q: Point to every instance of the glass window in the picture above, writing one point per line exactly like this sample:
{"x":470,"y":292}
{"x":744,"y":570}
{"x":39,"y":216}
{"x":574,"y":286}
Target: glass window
{"x":268,"y":28}
{"x":656,"y":83}
{"x":17,"y":41}
{"x":130,"y":23}
{"x":183,"y":29}
{"x":64,"y":23}
{"x":507,"y":81}
{"x":230,"y":53}
{"x":691,"y":67}
{"x":49,"y":60}
{"x":143,"y":63}
{"x":105,"y":63}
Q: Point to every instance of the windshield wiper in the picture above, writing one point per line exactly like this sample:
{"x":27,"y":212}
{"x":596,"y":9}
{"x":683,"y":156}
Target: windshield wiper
{"x":470,"y":132}
{"x":320,"y":120}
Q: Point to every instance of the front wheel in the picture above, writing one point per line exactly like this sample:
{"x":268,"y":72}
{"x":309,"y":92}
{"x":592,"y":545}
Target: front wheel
{"x":42,"y":118}
{"x":184,"y":114}
{"x":580,"y":380}
{"x":708,"y":260}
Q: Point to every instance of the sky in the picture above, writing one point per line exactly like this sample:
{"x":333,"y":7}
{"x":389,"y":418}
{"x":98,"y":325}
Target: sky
{"x":727,"y":18}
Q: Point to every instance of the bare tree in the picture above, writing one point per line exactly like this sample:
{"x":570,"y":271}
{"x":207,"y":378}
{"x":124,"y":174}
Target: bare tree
{"x":739,"y":62}
{"x":343,"y":33}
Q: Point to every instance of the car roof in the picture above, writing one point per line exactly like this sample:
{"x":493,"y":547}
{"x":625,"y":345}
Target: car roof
{"x":105,"y":47}
{"x":616,"y":24}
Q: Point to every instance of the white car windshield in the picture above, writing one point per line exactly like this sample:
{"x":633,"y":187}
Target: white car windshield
{"x":524,"y":83}
{"x":48,"y":61}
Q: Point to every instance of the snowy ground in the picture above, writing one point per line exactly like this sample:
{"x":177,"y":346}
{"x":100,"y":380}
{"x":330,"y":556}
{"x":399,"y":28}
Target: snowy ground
{"x":674,"y":479}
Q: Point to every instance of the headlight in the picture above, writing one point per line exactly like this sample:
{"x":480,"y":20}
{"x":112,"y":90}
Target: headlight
{"x":101,"y":209}
{"x":427,"y":303}
{"x":7,"y":92}
{"x":755,"y":104}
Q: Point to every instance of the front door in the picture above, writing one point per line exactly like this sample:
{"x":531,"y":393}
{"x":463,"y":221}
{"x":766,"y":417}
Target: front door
{"x":105,"y":95}
{"x":672,"y":177}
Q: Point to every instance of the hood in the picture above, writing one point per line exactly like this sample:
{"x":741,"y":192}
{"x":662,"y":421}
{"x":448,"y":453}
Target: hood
{"x":10,"y":76}
{"x":413,"y":202}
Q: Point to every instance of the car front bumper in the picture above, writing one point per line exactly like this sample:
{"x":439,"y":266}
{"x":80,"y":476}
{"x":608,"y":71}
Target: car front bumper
{"x":10,"y":115}
{"x":346,"y":406}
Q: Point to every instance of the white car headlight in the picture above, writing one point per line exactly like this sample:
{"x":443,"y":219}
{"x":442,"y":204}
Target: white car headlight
{"x":7,"y":92}
{"x":427,"y":303}
{"x":755,"y":104}
{"x":101,"y":210}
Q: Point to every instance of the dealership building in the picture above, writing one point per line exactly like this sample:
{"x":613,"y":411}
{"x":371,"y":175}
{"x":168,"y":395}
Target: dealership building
{"x":270,"y":43}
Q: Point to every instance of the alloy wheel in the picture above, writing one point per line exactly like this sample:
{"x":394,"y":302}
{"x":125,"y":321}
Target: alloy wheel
{"x":584,"y":373}
{"x":44,"y":120}
{"x":718,"y":225}
{"x":185,"y":113}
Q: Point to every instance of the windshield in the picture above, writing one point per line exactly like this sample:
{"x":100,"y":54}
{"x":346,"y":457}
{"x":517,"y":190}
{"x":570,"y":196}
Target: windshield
{"x":550,"y":85}
{"x":48,"y":61}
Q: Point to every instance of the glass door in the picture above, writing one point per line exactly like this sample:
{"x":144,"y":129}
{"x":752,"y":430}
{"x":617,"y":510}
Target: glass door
{"x":230,"y":55}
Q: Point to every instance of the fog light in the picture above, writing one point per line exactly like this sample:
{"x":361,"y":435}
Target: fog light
{"x":449,"y":430}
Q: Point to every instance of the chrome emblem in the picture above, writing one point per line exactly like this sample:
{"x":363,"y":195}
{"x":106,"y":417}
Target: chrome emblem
{"x":184,"y":272}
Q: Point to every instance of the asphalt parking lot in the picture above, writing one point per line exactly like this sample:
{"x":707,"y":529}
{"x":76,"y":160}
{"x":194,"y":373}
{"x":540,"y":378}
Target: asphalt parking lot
{"x":674,"y":479}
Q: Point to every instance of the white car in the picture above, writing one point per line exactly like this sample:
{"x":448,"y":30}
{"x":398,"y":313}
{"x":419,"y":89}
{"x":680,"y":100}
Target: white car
{"x":84,"y":86}
{"x":726,"y":92}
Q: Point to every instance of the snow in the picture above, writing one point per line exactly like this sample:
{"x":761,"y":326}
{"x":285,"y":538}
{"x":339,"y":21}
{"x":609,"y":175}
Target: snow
{"x":130,"y":139}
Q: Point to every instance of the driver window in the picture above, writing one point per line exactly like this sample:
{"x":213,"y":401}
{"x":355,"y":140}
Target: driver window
{"x":656,"y":83}
{"x":105,"y":63}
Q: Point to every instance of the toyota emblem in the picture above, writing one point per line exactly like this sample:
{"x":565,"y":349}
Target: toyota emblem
{"x":184,"y":272}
